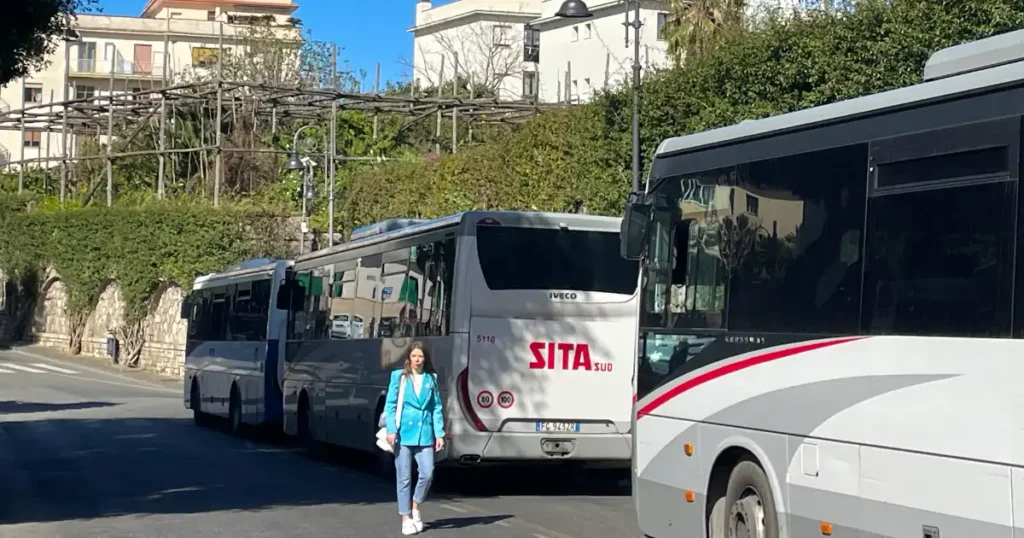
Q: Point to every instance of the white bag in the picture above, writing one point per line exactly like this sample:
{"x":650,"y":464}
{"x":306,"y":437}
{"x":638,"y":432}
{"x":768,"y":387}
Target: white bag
{"x":382,"y":433}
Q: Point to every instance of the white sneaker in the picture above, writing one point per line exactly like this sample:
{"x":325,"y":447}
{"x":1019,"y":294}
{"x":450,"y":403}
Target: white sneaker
{"x":417,"y":520}
{"x":409,"y":527}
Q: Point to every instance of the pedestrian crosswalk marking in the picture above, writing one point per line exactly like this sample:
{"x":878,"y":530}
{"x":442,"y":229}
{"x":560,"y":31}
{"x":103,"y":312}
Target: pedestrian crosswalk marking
{"x":22,"y":368}
{"x":54,"y":368}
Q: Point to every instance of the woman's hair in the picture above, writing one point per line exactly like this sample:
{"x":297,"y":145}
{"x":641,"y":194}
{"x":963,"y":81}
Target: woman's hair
{"x":428,"y":365}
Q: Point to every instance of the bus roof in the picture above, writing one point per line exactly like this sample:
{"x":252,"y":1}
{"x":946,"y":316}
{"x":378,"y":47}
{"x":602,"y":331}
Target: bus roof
{"x":962,"y":69}
{"x":398,"y":228}
{"x":246,"y":270}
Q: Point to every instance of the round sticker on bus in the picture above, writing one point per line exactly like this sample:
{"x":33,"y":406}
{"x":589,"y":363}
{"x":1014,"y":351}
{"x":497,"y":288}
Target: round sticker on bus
{"x":505,"y":399}
{"x":485,"y":399}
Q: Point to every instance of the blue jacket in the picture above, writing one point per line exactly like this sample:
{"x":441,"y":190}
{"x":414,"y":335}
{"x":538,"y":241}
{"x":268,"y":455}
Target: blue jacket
{"x":422,"y":415}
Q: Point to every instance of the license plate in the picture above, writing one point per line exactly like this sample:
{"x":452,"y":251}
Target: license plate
{"x":543,"y":426}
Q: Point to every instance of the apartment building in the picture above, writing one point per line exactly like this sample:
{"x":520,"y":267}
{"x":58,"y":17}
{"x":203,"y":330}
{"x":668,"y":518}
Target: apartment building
{"x":170,"y":41}
{"x":550,"y":58}
{"x":586,"y":55}
{"x":488,"y":40}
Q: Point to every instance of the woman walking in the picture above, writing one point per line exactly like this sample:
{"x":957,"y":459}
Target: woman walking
{"x":415,"y":428}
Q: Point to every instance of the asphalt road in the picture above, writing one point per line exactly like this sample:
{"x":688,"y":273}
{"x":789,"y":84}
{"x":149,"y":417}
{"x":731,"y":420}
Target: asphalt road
{"x":88,"y":452}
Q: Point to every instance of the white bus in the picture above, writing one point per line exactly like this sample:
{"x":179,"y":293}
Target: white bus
{"x":830,"y":344}
{"x":234,"y":344}
{"x":530,"y":319}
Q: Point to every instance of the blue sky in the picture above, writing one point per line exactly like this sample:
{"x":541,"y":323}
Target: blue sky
{"x":368,"y":31}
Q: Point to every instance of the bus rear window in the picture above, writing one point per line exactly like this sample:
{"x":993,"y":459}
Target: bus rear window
{"x":554,"y":259}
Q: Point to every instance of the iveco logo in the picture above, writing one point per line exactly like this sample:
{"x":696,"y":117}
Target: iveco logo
{"x":565,"y":296}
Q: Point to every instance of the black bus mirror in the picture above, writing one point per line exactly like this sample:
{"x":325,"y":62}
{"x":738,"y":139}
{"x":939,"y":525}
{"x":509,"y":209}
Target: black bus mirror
{"x":291,"y":296}
{"x":633,"y":230}
{"x":186,"y":308}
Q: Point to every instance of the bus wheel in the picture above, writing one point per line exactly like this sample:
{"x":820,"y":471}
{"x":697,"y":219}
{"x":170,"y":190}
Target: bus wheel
{"x":235,"y":413}
{"x":750,"y":505}
{"x":200,"y":418}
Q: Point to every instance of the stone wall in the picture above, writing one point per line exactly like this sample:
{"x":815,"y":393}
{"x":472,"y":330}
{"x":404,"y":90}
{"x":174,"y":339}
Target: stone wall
{"x":164,"y":350}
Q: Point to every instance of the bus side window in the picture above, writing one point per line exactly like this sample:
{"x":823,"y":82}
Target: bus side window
{"x":678,"y":301}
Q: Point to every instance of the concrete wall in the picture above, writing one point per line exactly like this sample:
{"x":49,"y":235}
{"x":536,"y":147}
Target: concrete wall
{"x":164,"y":350}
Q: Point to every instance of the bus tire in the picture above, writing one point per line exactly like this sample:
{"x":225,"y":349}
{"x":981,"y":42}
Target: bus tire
{"x":200,"y":418}
{"x":235,"y":424}
{"x":749,"y":503}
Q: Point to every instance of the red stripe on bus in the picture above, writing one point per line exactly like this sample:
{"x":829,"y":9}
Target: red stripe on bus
{"x":654,"y":404}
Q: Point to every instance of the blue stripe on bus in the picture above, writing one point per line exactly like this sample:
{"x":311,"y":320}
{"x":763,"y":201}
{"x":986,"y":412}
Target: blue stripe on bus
{"x":271,"y":386}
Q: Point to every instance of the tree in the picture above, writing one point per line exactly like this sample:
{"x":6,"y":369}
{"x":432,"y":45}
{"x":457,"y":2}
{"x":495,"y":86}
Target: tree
{"x":30,"y":31}
{"x":696,"y":27}
{"x":488,"y":53}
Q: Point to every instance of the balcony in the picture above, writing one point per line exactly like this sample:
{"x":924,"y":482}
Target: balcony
{"x":122,"y":68}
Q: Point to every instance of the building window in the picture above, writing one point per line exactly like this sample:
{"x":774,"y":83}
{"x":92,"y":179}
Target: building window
{"x":587,"y":30}
{"x":502,"y":35}
{"x":85,"y":92}
{"x":211,"y":15}
{"x":33,"y":94}
{"x":662,"y":23}
{"x":530,"y":84}
{"x":32,"y":139}
{"x":752,"y":202}
{"x":575,"y":33}
{"x":531,"y":44}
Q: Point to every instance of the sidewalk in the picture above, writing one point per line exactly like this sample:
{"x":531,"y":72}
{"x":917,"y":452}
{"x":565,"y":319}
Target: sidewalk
{"x":97,"y":364}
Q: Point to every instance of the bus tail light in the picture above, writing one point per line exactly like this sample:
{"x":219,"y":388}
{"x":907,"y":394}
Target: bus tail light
{"x":467,"y":403}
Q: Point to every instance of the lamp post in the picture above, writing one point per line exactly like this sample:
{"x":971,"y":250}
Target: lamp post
{"x":294,"y":162}
{"x":577,"y":9}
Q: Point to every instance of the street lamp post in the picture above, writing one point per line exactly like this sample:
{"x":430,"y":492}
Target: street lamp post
{"x":577,"y":9}
{"x":294,"y":162}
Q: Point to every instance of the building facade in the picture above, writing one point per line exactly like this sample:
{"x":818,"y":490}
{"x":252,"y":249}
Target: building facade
{"x":485,"y":40}
{"x":543,"y":56}
{"x":587,"y":55}
{"x":171,"y":41}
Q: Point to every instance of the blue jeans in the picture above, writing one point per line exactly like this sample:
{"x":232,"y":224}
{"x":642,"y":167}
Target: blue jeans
{"x":403,"y":466}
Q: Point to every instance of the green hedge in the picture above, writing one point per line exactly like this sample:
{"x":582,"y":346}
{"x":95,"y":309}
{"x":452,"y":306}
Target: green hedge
{"x":139,"y":248}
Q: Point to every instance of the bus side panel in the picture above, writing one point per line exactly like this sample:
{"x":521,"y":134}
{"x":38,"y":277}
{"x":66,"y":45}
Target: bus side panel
{"x":824,"y":485}
{"x":664,"y":473}
{"x":273,"y":373}
{"x":901,"y":490}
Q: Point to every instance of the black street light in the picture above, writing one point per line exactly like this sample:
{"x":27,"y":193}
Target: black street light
{"x":293,"y":162}
{"x":577,"y":9}
{"x":574,"y":9}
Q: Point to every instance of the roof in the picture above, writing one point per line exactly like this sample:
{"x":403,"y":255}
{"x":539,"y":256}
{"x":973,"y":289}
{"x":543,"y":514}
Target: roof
{"x":413,"y":227}
{"x":152,"y":6}
{"x":951,"y":61}
{"x":249,"y":268}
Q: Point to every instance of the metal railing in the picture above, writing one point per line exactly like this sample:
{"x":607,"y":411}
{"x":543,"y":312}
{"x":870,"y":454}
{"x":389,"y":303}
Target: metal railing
{"x":120,"y":66}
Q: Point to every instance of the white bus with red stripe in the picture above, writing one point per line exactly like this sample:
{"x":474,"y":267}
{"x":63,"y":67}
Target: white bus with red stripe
{"x":832,"y":313}
{"x":529,"y":318}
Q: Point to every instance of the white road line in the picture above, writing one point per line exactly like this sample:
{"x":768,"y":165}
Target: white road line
{"x":54,"y":368}
{"x":2,"y":371}
{"x":453,"y":508}
{"x":22,"y":368}
{"x":134,"y":383}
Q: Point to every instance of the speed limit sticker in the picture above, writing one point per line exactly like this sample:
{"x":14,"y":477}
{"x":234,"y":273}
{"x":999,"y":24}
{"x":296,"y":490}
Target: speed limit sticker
{"x":505,"y":399}
{"x":485,"y":399}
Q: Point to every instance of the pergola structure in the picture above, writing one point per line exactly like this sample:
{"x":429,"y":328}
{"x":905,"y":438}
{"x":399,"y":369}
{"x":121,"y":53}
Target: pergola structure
{"x":134,"y":111}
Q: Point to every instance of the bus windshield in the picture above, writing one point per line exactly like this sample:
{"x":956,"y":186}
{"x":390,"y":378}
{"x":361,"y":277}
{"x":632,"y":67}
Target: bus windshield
{"x":513,"y":258}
